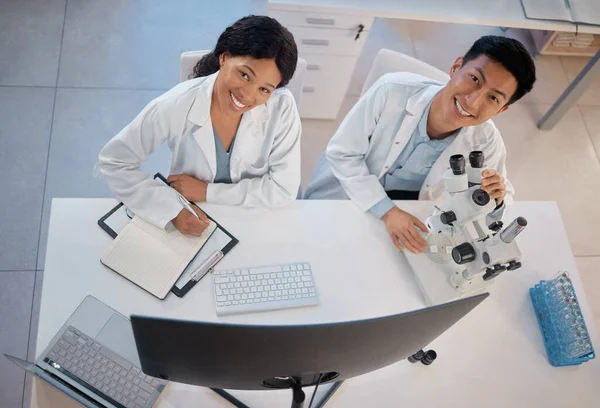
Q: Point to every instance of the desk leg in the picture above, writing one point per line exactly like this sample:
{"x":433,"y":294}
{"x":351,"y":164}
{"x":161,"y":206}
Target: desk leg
{"x":574,"y":91}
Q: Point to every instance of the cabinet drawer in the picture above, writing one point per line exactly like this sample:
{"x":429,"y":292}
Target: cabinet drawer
{"x":327,"y":41}
{"x":330,"y":71}
{"x":320,"y":20}
{"x":325,"y":85}
{"x":320,"y":103}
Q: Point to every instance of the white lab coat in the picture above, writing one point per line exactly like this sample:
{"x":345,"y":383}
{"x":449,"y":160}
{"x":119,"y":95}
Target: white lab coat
{"x":265,"y":160}
{"x":379,"y":126}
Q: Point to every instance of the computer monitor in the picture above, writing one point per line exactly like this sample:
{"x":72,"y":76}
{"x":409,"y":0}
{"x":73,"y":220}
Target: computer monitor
{"x":259,"y":357}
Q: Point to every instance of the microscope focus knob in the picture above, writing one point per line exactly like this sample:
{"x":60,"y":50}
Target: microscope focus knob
{"x":480,"y":197}
{"x":447,"y":217}
{"x":463,"y":253}
{"x":512,"y":265}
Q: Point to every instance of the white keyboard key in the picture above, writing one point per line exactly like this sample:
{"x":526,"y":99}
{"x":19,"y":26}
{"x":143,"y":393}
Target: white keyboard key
{"x":222,"y":280}
{"x":286,"y":268}
{"x":245,"y":272}
{"x":304,"y":290}
{"x":237,"y":297}
{"x":293,"y":267}
{"x":280,"y":287}
{"x":286,"y":286}
{"x":306,"y":266}
{"x":293,"y":273}
{"x":286,"y":274}
{"x":226,"y":291}
{"x":221,"y":298}
{"x":277,"y":281}
{"x":306,"y":279}
{"x":300,"y":284}
{"x":244,"y":284}
{"x":307,"y":273}
{"x":299,"y":267}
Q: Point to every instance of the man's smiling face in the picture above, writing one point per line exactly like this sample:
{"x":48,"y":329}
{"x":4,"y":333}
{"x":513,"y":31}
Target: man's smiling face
{"x":477,"y":91}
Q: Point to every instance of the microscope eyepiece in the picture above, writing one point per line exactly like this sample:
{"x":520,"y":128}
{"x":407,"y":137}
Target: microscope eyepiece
{"x":476,"y":159}
{"x":457,"y":164}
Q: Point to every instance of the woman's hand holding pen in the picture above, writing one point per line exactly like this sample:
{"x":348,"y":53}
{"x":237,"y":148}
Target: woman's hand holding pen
{"x":188,"y":224}
{"x":190,"y":187}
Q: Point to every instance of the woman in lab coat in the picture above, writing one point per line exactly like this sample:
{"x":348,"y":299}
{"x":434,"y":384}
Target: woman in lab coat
{"x":233,"y":131}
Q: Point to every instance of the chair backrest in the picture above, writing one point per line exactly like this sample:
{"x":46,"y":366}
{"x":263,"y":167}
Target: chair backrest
{"x":393,"y":61}
{"x":189,"y":59}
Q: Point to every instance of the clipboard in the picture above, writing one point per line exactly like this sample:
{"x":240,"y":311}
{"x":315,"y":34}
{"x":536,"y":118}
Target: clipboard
{"x":219,"y":245}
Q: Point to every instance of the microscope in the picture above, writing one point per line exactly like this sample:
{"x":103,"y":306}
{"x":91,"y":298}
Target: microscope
{"x":467,"y":250}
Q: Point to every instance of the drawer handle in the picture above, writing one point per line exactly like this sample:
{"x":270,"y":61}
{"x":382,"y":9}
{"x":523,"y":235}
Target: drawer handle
{"x":308,"y":89}
{"x":313,"y":67}
{"x":321,"y":21}
{"x":315,"y":42}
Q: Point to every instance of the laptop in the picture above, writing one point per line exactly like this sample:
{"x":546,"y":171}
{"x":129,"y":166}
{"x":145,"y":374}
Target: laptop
{"x":93,"y":359}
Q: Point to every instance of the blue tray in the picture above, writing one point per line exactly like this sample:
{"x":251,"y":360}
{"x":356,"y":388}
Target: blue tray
{"x":549,"y":327}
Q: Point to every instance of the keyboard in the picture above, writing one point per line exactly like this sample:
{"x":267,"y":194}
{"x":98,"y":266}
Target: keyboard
{"x":101,"y":371}
{"x":247,"y":290}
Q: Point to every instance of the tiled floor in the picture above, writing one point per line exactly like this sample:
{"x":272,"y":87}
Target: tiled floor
{"x":74,"y":72}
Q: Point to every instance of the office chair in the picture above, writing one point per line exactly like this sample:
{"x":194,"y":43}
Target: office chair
{"x":393,"y":61}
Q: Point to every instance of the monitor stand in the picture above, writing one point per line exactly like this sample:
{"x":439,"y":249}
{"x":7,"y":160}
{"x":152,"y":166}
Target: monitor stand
{"x":298,"y":395}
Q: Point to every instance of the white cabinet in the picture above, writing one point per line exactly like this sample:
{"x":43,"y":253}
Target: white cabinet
{"x":330,"y":43}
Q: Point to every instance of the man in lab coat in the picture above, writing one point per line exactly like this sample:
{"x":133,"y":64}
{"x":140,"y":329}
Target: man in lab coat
{"x":396,"y":141}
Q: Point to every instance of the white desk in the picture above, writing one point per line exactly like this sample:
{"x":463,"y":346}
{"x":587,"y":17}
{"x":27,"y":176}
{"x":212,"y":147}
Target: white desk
{"x":499,"y":13}
{"x":493,"y":357}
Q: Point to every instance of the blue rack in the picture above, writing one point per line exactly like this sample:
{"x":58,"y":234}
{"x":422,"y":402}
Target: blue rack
{"x":558,"y":313}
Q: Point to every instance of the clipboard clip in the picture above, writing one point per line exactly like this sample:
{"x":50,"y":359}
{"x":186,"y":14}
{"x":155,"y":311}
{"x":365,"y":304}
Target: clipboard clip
{"x":207,"y":265}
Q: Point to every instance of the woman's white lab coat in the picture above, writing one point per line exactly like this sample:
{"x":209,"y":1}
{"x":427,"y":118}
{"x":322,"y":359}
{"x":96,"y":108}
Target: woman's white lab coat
{"x":373,"y":134}
{"x":265,"y":160}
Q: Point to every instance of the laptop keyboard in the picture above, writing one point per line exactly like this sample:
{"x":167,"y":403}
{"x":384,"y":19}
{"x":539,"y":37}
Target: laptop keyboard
{"x":102,"y":371}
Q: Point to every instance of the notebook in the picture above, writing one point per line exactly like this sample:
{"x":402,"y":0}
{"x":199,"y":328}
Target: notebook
{"x":151,"y":257}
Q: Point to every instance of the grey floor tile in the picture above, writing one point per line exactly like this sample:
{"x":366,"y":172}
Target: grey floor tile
{"x":30,"y":36}
{"x":84,"y":120}
{"x":136,"y":43}
{"x":15,"y":312}
{"x":33,"y":329}
{"x":25,"y":117}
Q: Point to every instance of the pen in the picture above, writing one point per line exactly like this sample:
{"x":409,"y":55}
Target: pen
{"x":187,"y":205}
{"x":207,"y":265}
